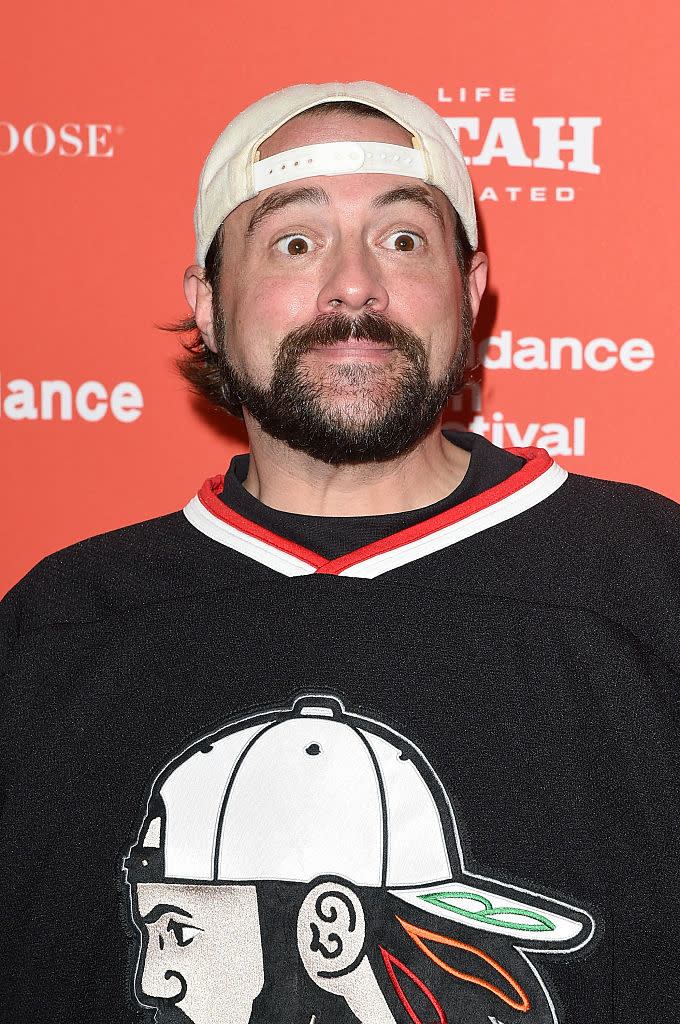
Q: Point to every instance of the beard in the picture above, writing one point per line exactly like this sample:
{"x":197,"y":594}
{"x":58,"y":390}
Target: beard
{"x":171,"y":1015}
{"x":353,"y":412}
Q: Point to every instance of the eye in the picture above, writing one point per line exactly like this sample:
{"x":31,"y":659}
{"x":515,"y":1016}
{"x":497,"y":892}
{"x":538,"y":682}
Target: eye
{"x":184,"y":933}
{"x":295,"y":245}
{"x":404,"y":241}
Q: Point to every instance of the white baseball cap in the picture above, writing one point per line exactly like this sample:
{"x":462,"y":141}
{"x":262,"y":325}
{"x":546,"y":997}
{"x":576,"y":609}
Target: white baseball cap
{"x":233,"y":171}
{"x":313,"y":791}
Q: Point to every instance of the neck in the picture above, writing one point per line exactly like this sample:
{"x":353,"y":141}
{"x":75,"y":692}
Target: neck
{"x":291,"y":481}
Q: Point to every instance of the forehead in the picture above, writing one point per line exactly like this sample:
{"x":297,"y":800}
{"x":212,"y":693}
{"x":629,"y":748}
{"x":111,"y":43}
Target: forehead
{"x":192,"y":898}
{"x":312,"y":129}
{"x":335,"y":126}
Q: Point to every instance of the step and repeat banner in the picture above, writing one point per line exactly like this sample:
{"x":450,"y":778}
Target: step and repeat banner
{"x":567,"y":117}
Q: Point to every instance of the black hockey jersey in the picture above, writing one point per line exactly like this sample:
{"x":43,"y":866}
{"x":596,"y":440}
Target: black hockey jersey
{"x":434,"y":779}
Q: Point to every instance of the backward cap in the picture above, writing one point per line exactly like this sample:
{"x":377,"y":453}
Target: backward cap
{"x":313,"y":791}
{"x":293,"y":795}
{"x":227,"y":177}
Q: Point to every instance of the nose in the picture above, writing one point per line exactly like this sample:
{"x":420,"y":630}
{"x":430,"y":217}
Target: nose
{"x":352,"y":284}
{"x":157,"y":982}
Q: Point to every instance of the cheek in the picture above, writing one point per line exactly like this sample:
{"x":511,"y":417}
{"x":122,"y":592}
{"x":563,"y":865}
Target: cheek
{"x":430,"y":293}
{"x":269,"y":307}
{"x":429,"y":308}
{"x":284,"y":304}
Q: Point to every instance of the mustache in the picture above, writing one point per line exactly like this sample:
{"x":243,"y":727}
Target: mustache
{"x":329,"y":328}
{"x":167,"y":1011}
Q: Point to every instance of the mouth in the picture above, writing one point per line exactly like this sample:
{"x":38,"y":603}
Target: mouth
{"x":354,"y":348}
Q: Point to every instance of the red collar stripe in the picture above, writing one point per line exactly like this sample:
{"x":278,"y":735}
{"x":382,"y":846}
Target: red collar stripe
{"x":531,"y":484}
{"x":213,"y":518}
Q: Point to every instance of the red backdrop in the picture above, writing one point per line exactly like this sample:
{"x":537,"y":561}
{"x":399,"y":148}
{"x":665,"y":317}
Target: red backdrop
{"x":567,"y":114}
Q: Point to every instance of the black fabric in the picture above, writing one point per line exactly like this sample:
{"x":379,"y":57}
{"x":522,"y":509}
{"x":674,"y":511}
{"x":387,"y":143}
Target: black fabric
{"x":534,"y":664}
{"x":333,"y":536}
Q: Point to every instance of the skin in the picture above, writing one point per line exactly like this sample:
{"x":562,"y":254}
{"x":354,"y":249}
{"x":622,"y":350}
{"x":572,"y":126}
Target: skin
{"x":350,"y":976}
{"x":353,"y":263}
{"x":201,"y":951}
{"x":206,"y":939}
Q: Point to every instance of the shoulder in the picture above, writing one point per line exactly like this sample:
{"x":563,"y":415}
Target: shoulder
{"x":631,"y":495}
{"x":613,"y":548}
{"x":581,"y":509}
{"x":614,"y":537}
{"x":623,"y":515}
{"x":105,"y":574}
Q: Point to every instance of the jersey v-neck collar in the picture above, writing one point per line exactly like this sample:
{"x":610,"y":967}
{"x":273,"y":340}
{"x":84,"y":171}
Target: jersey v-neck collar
{"x":538,"y":478}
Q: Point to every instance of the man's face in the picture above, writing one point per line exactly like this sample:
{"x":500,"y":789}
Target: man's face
{"x":340,"y":301}
{"x":201,"y":954}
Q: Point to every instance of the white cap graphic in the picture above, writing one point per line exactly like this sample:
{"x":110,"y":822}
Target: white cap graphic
{"x":313,"y":791}
{"x":291,"y":798}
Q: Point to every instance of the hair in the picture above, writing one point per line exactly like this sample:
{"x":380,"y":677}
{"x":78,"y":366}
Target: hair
{"x":393,"y":954}
{"x":198,"y":364}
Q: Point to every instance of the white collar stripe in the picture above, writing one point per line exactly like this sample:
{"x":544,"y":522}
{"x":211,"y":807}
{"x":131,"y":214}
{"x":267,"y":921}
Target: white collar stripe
{"x":505,"y":509}
{"x":537,"y":463}
{"x":535,"y":482}
{"x":259,"y":550}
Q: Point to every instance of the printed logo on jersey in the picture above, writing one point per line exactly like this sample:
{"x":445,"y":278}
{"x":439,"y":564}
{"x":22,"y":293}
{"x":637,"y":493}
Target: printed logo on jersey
{"x":304,"y":865}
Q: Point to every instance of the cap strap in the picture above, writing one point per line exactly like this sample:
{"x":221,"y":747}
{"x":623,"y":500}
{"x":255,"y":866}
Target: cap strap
{"x":338,"y":158}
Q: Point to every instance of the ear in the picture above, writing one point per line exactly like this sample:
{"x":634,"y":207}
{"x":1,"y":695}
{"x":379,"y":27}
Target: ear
{"x":199,"y":296}
{"x":331,"y":931}
{"x":477,"y":281}
{"x":331,"y":936}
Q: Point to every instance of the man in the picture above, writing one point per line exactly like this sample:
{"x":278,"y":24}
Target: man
{"x":518,"y":624}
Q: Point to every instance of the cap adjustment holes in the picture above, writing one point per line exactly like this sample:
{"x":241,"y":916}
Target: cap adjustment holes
{"x":313,"y":749}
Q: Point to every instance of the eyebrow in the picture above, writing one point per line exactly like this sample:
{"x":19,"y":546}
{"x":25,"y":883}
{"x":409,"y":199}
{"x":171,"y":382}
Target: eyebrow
{"x":279,"y":200}
{"x":411,"y":194}
{"x":163,"y":908}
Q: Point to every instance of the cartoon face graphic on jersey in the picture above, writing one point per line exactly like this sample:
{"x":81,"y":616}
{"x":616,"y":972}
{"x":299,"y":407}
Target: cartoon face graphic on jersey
{"x":303,"y":865}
